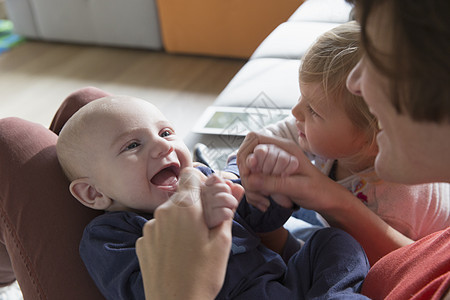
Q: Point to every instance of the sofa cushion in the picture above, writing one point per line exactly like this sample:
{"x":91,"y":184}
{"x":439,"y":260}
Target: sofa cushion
{"x":291,"y":39}
{"x":264,"y":82}
{"x":337,"y":11}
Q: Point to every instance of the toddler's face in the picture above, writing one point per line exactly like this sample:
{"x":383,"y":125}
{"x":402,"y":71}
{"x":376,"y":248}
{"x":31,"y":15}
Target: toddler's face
{"x":324,"y":127}
{"x":137,"y":156}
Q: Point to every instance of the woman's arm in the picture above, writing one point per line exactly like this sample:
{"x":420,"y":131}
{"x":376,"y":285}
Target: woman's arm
{"x":311,"y":189}
{"x":376,"y":236}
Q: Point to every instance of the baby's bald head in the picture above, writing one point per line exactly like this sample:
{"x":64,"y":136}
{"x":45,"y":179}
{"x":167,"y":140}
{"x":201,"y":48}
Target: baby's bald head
{"x":76,"y":142}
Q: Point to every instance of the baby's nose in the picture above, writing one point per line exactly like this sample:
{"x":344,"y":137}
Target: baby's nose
{"x":162,"y":148}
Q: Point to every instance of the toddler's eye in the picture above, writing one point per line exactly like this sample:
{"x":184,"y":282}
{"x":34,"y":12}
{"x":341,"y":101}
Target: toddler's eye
{"x":312,"y":111}
{"x":132,"y":146}
{"x":166,"y":132}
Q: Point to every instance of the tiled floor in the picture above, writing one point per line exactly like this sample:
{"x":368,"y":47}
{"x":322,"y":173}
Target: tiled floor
{"x":35,"y":77}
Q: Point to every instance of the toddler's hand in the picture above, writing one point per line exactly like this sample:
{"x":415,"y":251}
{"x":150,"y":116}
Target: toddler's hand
{"x":220,"y":198}
{"x":270,"y":160}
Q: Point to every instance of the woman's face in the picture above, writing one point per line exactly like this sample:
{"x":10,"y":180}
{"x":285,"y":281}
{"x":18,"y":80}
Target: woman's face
{"x":409,"y":151}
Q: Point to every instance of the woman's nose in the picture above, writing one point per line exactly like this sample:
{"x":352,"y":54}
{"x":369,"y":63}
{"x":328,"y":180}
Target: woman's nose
{"x":354,"y":80}
{"x":161,"y":148}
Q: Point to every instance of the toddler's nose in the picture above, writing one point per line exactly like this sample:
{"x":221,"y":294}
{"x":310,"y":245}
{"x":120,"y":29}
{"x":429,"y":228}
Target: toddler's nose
{"x":297,"y":111}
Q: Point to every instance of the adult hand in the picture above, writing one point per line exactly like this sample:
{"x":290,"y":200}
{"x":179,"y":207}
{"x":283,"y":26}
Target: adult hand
{"x":311,"y":189}
{"x":220,"y":199}
{"x":180,"y":257}
{"x":270,"y":160}
{"x":306,"y":186}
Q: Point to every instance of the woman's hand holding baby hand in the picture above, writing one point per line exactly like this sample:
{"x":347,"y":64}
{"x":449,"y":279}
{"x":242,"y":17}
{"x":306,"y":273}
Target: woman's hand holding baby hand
{"x":179,"y":224}
{"x":306,"y":186}
{"x":220,"y":199}
{"x":270,"y":160}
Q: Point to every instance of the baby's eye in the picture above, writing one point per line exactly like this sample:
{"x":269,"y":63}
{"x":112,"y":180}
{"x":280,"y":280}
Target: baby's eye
{"x":166,"y":132}
{"x":132,"y":146}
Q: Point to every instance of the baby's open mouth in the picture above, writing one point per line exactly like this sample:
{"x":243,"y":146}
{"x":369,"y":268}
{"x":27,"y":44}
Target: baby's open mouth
{"x":167,"y":178}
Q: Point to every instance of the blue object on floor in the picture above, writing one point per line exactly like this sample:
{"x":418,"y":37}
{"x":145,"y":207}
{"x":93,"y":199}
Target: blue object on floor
{"x":8,"y":39}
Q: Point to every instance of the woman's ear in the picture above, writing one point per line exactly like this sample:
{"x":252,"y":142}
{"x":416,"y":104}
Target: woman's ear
{"x":87,"y":194}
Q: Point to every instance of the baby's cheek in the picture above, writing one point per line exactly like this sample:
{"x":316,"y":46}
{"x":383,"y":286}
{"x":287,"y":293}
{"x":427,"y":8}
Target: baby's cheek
{"x":185,"y":159}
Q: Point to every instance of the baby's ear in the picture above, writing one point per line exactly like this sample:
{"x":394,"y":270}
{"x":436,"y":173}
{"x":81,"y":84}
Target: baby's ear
{"x":87,"y":194}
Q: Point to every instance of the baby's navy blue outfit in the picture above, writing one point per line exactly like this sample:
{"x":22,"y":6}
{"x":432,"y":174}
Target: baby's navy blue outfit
{"x":331,"y":265}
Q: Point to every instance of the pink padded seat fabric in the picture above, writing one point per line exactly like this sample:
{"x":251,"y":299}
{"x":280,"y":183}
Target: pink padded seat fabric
{"x":40,"y":222}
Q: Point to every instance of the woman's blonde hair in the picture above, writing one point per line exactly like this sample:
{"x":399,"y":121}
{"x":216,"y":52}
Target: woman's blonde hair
{"x":329,"y":61}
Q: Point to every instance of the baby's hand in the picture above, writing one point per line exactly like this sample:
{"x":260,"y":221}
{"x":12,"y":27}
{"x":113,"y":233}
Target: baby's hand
{"x":270,"y":160}
{"x":220,"y":198}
